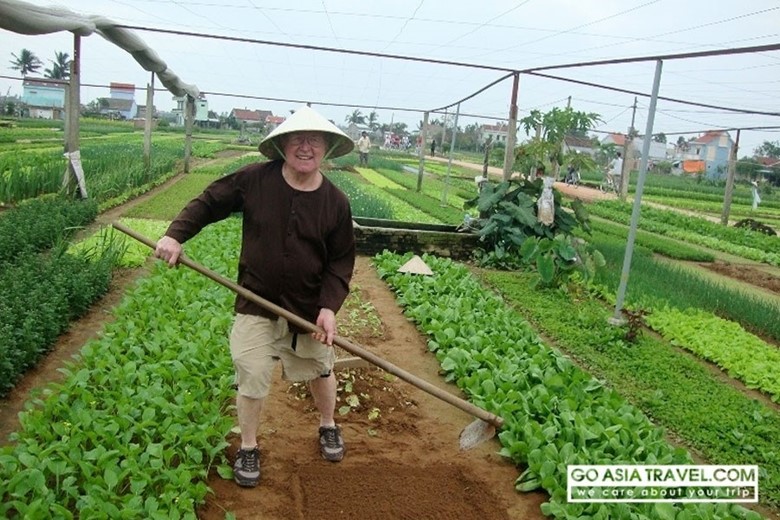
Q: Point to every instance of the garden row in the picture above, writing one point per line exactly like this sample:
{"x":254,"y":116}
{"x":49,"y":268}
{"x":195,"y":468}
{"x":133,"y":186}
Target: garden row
{"x":138,"y":422}
{"x":45,"y":284}
{"x":655,"y":283}
{"x":555,"y":413}
{"x":665,"y":288}
{"x":42,"y":286}
{"x":111,"y":165}
{"x":737,"y":241}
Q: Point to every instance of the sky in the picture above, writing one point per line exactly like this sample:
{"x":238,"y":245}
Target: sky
{"x":493,"y":38}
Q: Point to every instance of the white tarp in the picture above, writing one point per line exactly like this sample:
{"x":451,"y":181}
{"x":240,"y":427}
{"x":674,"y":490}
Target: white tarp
{"x":24,"y":18}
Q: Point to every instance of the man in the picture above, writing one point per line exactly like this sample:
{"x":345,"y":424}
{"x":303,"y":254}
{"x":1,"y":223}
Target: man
{"x":364,"y":145}
{"x":614,"y":172}
{"x":297,"y":251}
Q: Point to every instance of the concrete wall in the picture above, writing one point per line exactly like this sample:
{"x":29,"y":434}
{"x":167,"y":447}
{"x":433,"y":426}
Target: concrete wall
{"x":373,"y":236}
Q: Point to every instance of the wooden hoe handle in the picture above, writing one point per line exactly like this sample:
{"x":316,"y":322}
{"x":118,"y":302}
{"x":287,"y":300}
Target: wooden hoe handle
{"x":338,"y":340}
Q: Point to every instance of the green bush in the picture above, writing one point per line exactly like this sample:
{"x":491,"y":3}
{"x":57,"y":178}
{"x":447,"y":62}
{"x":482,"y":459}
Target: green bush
{"x":39,"y":296}
{"x":39,"y":224}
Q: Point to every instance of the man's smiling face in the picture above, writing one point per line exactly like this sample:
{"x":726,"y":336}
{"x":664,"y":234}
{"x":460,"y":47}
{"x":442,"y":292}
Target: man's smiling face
{"x":304,"y":151}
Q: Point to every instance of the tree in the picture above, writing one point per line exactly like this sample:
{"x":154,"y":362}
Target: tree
{"x":399,"y":129}
{"x":682,"y":144}
{"x":373,"y":120}
{"x":768,"y":149}
{"x":660,"y":138}
{"x":553,"y":126}
{"x":60,"y":66}
{"x":27,"y":62}
{"x":356,"y":117}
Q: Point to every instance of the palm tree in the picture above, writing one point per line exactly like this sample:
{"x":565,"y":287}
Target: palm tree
{"x":26,"y":62}
{"x":356,"y":117}
{"x":373,"y":120}
{"x":60,"y":66}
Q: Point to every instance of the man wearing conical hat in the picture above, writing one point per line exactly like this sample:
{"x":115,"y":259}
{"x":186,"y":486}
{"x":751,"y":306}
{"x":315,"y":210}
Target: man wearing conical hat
{"x":298,"y":252}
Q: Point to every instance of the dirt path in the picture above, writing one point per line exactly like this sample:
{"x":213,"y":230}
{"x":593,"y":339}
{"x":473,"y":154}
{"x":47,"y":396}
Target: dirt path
{"x":405,"y":464}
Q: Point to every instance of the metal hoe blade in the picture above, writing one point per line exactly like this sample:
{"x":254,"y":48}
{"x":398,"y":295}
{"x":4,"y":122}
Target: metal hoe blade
{"x":476,"y":433}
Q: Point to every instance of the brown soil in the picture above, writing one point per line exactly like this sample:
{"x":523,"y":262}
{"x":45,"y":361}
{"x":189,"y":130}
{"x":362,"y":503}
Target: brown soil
{"x":746,"y":273}
{"x":405,"y":463}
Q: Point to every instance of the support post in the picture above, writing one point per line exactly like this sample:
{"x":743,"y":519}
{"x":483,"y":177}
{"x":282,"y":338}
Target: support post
{"x":617,"y":318}
{"x":511,"y":135}
{"x":423,"y":136}
{"x":724,"y":217}
{"x":449,"y":162}
{"x":72,"y":106}
{"x":628,"y":156}
{"x":189,"y":115}
{"x":148,"y":124}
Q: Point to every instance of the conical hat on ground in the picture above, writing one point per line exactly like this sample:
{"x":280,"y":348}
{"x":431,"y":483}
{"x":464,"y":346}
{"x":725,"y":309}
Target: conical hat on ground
{"x":415,"y":265}
{"x":305,"y":119}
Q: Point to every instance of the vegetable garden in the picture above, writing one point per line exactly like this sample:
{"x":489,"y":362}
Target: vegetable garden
{"x":139,"y":425}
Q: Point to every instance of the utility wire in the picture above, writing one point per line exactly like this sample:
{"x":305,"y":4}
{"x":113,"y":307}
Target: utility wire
{"x":558,"y":33}
{"x":403,"y":27}
{"x":665,"y":98}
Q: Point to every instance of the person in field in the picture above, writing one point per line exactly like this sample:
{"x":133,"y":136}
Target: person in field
{"x":364,"y":146}
{"x":297,"y":251}
{"x":614,"y":173}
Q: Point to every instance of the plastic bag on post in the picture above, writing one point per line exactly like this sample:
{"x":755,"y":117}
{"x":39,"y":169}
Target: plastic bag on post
{"x":546,"y":203}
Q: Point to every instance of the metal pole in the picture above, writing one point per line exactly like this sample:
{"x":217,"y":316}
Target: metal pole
{"x":724,"y":218}
{"x":148,"y":123}
{"x":449,"y":162}
{"x":511,"y":135}
{"x":617,"y":318}
{"x":189,"y":115}
{"x":423,"y":134}
{"x":628,"y":156}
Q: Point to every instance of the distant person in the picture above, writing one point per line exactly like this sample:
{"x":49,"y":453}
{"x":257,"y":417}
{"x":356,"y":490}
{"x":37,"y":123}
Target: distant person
{"x":433,"y":148}
{"x":572,"y":176}
{"x":756,"y":197}
{"x":614,"y":172}
{"x":363,"y":145}
{"x":298,"y":252}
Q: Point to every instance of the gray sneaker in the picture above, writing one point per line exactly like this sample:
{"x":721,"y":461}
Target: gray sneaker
{"x":331,"y":444}
{"x":246,"y":469}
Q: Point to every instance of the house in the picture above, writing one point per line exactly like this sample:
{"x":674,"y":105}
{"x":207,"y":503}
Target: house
{"x":272,"y":121}
{"x":573,"y":143}
{"x":44,"y":98}
{"x":201,"y":111}
{"x":657,"y":152}
{"x":768,"y":162}
{"x":616,"y":139}
{"x":714,"y":148}
{"x":689,"y":166}
{"x":121,"y":101}
{"x":140,"y":117}
{"x":250,"y":117}
{"x":498,"y":133}
{"x":354,"y":131}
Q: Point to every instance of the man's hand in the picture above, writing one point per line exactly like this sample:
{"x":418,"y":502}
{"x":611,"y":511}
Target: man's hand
{"x":168,"y":249}
{"x":326,"y":320}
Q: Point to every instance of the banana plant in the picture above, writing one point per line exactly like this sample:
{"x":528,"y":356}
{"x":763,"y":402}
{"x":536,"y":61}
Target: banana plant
{"x":514,"y":238}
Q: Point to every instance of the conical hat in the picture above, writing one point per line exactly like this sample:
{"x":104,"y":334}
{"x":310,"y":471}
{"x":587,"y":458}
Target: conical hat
{"x":415,"y":265}
{"x":306,"y":120}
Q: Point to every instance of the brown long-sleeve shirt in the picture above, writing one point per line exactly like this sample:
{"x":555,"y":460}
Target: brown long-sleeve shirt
{"x":298,"y":247}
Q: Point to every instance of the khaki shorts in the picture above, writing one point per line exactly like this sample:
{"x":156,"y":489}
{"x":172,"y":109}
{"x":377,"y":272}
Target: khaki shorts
{"x":258,"y":343}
